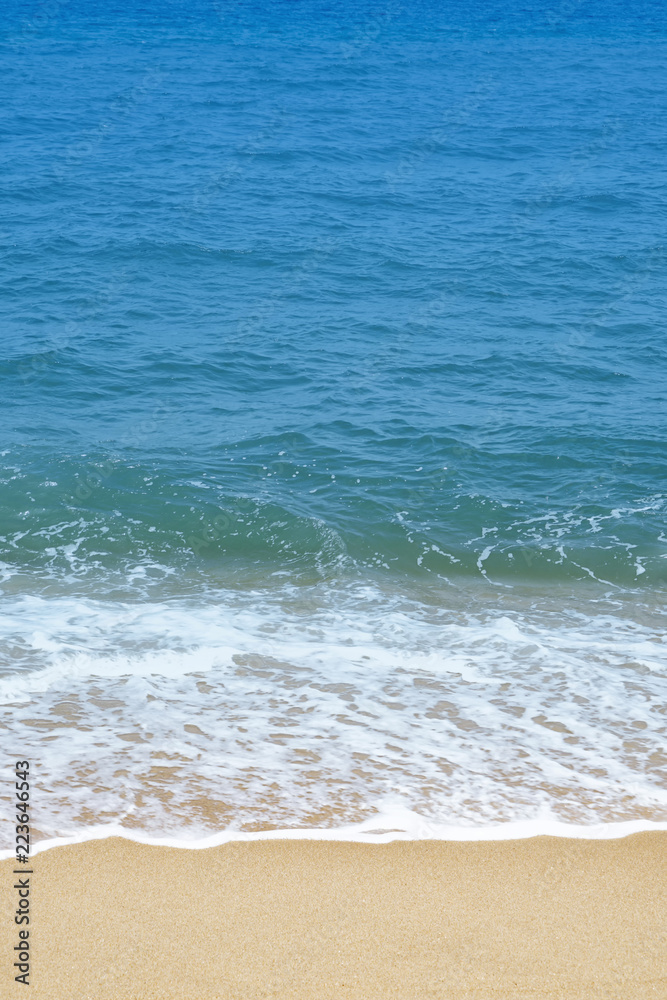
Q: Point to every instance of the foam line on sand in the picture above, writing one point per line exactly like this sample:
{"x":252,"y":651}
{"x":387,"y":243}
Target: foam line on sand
{"x":383,"y":828}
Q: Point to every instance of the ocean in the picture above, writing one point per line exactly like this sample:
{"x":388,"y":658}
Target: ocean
{"x":333,"y":457}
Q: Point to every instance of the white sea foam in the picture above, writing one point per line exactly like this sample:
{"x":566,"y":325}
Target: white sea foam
{"x":311,"y":708}
{"x":383,"y":828}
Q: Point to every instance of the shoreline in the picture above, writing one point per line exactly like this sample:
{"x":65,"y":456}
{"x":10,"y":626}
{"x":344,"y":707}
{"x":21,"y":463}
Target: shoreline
{"x":380,"y":829}
{"x":541,"y":918}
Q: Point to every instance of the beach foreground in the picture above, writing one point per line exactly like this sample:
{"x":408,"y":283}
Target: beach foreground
{"x":317,"y":920}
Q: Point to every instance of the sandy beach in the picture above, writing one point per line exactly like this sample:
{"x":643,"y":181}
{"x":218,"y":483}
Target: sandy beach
{"x":306,"y":920}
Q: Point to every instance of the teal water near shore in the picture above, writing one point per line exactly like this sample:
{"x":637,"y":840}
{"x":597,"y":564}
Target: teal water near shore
{"x":333,"y":455}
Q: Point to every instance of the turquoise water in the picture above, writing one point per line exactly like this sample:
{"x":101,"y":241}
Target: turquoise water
{"x":333,"y":455}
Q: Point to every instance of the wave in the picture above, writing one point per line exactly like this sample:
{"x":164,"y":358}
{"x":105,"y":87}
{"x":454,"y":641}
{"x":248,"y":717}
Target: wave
{"x":112,"y":521}
{"x":313,"y":707}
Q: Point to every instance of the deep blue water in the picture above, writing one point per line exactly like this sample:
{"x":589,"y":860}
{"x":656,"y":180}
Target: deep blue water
{"x":266,"y":246}
{"x":333,"y":295}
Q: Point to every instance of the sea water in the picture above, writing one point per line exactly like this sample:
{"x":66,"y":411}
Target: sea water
{"x":334,"y":379}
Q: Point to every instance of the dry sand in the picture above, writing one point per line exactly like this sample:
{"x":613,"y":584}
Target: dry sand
{"x":546,"y":917}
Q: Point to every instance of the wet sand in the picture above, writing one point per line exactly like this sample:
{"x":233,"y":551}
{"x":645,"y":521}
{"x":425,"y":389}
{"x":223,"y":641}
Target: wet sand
{"x":308,"y":920}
